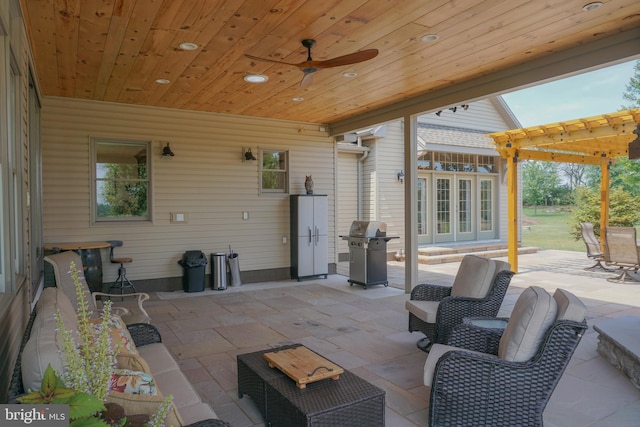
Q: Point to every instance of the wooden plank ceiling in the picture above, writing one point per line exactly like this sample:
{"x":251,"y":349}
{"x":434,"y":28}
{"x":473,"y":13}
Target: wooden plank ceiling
{"x":115,"y":50}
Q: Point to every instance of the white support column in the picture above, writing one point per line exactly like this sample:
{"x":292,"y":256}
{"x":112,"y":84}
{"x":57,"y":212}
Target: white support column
{"x":410,"y":203}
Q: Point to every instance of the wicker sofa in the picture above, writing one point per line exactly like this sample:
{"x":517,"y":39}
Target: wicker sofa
{"x":40,"y":347}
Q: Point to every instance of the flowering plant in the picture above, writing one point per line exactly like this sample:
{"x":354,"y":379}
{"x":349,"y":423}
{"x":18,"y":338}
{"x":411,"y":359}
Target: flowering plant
{"x":89,"y":361}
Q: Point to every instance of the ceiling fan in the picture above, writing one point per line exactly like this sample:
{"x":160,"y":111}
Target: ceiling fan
{"x":310,"y":66}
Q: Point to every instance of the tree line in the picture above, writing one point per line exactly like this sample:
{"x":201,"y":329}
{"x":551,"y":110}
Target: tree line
{"x":578,"y":185}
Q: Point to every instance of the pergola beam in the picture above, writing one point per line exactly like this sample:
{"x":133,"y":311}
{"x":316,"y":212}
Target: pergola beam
{"x":560,"y":157}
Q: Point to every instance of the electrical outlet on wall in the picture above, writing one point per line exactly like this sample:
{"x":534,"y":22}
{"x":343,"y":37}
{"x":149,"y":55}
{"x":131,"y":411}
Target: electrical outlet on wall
{"x":178,"y":217}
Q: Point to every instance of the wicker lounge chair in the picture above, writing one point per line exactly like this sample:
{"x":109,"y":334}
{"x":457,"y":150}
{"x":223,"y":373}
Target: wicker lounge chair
{"x":593,"y":246}
{"x":61,"y":263}
{"x":621,"y":250}
{"x":505,"y":377}
{"x":478,"y":290}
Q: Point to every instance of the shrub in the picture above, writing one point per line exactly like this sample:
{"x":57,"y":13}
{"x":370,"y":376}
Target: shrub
{"x":624,"y":210}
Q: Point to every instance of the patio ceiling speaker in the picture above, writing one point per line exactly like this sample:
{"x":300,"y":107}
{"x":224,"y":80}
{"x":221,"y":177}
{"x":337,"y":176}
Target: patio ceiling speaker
{"x":310,"y":66}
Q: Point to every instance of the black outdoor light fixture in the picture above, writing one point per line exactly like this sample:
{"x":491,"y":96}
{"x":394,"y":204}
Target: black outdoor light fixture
{"x":248,"y":155}
{"x":400,"y":176}
{"x":166,"y":151}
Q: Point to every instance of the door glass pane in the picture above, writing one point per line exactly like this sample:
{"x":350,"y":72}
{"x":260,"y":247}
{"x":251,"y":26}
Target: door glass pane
{"x":486,"y":205}
{"x":464,"y":205}
{"x":422,"y":206}
{"x":443,"y":203}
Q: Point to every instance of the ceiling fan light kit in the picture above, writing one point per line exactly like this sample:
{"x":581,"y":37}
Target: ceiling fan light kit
{"x":309,"y":67}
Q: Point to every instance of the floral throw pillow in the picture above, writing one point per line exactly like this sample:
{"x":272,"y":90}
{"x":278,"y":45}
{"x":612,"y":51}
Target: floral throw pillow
{"x":133,"y":382}
{"x":119,"y":334}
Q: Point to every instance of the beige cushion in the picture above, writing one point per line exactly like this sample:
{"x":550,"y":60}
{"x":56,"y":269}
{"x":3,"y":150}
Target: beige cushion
{"x":502,"y":265}
{"x":158,"y":358}
{"x":534,"y":312}
{"x":175,"y":383}
{"x":474,"y":277}
{"x":61,"y":263}
{"x":424,"y":310}
{"x":143,"y":404}
{"x":42,"y":349}
{"x":569,"y":306}
{"x":436,"y":351}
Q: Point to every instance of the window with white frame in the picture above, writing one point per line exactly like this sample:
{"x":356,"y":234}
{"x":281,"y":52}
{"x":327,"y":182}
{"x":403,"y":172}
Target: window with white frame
{"x":274,"y":171}
{"x":121,"y":180}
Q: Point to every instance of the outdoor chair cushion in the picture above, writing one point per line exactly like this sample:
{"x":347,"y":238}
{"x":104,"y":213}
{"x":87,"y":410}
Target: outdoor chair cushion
{"x":425,"y":310}
{"x":533,"y":313}
{"x":473,"y":280}
{"x":569,"y":306}
{"x":436,"y":351}
{"x":474,"y":277}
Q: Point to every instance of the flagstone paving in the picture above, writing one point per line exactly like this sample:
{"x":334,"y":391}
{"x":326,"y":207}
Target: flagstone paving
{"x":365,"y":331}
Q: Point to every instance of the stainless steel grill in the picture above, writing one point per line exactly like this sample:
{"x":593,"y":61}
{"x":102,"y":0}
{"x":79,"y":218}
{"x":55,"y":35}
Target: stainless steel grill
{"x":368,"y":253}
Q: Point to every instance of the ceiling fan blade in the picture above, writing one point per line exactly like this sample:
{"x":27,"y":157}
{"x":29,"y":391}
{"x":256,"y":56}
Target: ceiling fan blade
{"x":256,"y":58}
{"x":352,"y":58}
{"x":307,"y":79}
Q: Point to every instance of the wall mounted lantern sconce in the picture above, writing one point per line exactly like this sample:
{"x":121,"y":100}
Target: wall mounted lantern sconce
{"x":166,"y":151}
{"x":400,"y":176}
{"x":247,"y":155}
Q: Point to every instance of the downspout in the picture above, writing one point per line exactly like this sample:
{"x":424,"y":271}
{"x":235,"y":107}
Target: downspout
{"x":361,"y":160}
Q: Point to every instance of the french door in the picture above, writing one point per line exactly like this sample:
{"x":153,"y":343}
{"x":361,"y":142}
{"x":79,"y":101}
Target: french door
{"x":456,"y":208}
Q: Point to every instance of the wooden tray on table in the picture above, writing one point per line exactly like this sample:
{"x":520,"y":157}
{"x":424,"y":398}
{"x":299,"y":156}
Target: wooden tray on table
{"x":303,"y":365}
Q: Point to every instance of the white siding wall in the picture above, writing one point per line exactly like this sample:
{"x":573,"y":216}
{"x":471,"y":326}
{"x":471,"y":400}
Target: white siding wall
{"x":390,"y":202}
{"x":481,"y":115}
{"x":347,"y":183}
{"x":384,"y":196}
{"x":206,"y":180}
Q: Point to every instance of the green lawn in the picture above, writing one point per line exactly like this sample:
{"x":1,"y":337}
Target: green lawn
{"x":549,"y":229}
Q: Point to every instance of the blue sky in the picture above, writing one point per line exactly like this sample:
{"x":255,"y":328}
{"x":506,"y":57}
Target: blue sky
{"x":588,"y":94}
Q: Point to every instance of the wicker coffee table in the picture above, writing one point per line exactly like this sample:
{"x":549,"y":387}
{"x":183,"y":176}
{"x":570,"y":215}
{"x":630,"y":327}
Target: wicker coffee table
{"x":348,"y":401}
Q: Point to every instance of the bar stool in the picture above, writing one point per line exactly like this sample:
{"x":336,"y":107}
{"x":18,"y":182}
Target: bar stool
{"x":121,"y":282}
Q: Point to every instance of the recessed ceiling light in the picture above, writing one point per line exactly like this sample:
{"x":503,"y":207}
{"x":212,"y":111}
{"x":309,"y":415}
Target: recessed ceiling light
{"x":349,"y":74}
{"x":163,"y":81}
{"x":592,"y":6}
{"x":188,"y":46}
{"x":430,"y":38}
{"x":255,"y":78}
{"x":297,"y":99}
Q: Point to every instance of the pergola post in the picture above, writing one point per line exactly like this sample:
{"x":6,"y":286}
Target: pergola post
{"x":604,"y":199}
{"x":512,"y":217}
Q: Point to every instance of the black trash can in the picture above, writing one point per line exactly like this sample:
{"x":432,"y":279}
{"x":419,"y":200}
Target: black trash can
{"x":194,"y":264}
